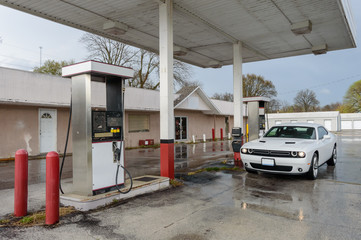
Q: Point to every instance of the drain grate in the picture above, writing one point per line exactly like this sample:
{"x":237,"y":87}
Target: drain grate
{"x":145,"y":179}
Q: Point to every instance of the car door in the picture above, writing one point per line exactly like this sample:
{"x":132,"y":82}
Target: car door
{"x":325,"y":145}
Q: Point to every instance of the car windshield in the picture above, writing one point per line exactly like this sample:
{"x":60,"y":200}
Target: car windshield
{"x":292,"y":132}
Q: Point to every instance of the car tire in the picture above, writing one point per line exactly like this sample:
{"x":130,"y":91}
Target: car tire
{"x":313,"y":172}
{"x":333,"y":160}
{"x":251,"y":171}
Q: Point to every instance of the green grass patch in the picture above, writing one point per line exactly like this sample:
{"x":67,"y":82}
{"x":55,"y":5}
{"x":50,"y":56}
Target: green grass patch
{"x":4,"y":221}
{"x":216,"y":169}
{"x":145,"y":146}
{"x":34,"y":219}
{"x":175,"y":183}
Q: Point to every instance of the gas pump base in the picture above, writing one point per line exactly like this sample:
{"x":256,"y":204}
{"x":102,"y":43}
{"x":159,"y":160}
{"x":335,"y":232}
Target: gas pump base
{"x":141,"y":185}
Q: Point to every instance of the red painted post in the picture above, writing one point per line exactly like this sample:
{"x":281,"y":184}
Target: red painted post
{"x":21,"y":183}
{"x":52,"y":188}
{"x":221,"y":134}
{"x":213,"y":135}
{"x":167,"y":159}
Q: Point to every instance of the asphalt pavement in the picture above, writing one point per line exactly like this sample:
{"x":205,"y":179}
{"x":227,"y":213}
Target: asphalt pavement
{"x":226,"y":205}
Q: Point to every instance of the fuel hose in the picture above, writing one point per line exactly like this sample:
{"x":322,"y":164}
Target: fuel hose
{"x":66,"y":145}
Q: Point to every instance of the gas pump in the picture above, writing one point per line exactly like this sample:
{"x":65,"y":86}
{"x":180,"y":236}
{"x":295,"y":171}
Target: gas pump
{"x":256,"y":119}
{"x":237,"y":144}
{"x":98,"y":136}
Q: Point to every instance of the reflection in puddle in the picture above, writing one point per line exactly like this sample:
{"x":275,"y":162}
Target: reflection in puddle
{"x":351,"y":139}
{"x":296,"y":215}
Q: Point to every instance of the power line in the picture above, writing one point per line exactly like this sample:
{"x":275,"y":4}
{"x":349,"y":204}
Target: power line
{"x":28,"y":50}
{"x":22,"y":67}
{"x":21,"y":59}
{"x":321,"y":85}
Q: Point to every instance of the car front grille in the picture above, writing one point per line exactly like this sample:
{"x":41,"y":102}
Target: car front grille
{"x":271,"y":153}
{"x":272,"y":168}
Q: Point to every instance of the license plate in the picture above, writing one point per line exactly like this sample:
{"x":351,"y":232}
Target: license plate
{"x":268,"y":162}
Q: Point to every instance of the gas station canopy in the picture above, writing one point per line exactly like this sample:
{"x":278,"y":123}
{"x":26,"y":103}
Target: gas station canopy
{"x":205,"y":30}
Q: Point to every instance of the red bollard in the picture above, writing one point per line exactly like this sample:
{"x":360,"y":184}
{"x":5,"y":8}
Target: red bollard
{"x":21,"y":183}
{"x":213,"y":135}
{"x":221,"y":134}
{"x":52,"y":188}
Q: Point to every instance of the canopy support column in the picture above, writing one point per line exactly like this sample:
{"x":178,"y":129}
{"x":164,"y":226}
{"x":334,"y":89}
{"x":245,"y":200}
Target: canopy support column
{"x":237,"y":103}
{"x":166,"y":88}
{"x":237,"y":85}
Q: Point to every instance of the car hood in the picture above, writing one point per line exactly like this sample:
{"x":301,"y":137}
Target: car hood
{"x":280,"y":144}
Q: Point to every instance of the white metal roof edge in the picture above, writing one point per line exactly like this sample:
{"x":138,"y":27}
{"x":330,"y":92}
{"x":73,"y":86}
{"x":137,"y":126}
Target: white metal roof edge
{"x":185,"y":98}
{"x":348,"y":19}
{"x":204,"y":97}
{"x":303,"y":114}
{"x":96,"y":67}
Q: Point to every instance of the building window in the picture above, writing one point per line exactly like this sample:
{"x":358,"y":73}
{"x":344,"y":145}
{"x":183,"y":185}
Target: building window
{"x":138,"y":123}
{"x":46,"y":115}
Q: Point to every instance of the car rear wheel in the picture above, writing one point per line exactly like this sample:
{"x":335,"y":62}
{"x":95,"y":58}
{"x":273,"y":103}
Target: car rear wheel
{"x":332,"y":161}
{"x":313,"y":172}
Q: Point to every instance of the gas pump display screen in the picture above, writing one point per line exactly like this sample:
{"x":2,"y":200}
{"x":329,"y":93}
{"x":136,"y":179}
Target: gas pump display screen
{"x":107,"y":125}
{"x":114,"y":121}
{"x":99,"y":121}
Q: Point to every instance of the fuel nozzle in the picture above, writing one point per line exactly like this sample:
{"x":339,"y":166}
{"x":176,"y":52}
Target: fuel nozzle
{"x":117,"y":155}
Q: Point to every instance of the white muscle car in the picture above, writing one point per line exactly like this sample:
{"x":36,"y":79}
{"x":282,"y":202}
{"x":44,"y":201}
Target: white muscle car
{"x":295,"y":148}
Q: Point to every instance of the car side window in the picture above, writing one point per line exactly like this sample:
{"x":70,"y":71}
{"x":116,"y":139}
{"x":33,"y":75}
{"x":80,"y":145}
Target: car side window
{"x":321,"y":132}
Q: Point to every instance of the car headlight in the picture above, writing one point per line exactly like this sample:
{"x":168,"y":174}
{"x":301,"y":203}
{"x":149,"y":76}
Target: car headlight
{"x":244,"y":150}
{"x":301,"y":154}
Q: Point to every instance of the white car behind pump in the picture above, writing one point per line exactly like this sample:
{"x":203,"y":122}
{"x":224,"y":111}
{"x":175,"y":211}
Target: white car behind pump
{"x":295,"y":148}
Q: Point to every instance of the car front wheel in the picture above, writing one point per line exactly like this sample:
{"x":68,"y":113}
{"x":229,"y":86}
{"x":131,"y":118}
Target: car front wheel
{"x":332,"y":161}
{"x":313,"y":172}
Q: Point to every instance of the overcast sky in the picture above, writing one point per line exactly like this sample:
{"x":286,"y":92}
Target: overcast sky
{"x":329,"y":75}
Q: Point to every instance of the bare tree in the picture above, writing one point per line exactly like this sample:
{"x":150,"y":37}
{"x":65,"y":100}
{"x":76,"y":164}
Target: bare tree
{"x":331,"y":107}
{"x":109,"y":51}
{"x":273,"y":106}
{"x":285,"y":107}
{"x":306,"y":101}
{"x":223,"y":96}
{"x":255,"y":85}
{"x":145,"y":63}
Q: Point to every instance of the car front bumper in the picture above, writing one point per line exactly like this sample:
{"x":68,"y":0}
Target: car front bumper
{"x":281,"y":165}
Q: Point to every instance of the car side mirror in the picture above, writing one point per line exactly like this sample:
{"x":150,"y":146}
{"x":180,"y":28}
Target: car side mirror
{"x":326,"y":137}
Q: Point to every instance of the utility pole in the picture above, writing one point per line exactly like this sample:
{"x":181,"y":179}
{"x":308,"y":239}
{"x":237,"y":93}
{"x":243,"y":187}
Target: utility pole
{"x":40,"y":54}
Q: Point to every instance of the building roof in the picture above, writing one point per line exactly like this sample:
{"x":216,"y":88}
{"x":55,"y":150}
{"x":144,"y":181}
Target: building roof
{"x":296,"y":115}
{"x":205,"y":30}
{"x":187,"y":93}
{"x":36,"y":89}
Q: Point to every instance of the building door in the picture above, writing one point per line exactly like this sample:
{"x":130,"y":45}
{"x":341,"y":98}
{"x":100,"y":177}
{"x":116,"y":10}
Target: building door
{"x":47,"y":130}
{"x":328,"y":125}
{"x":346,"y":125}
{"x":181,"y":128}
{"x":357,"y":124}
{"x":226,"y":121}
